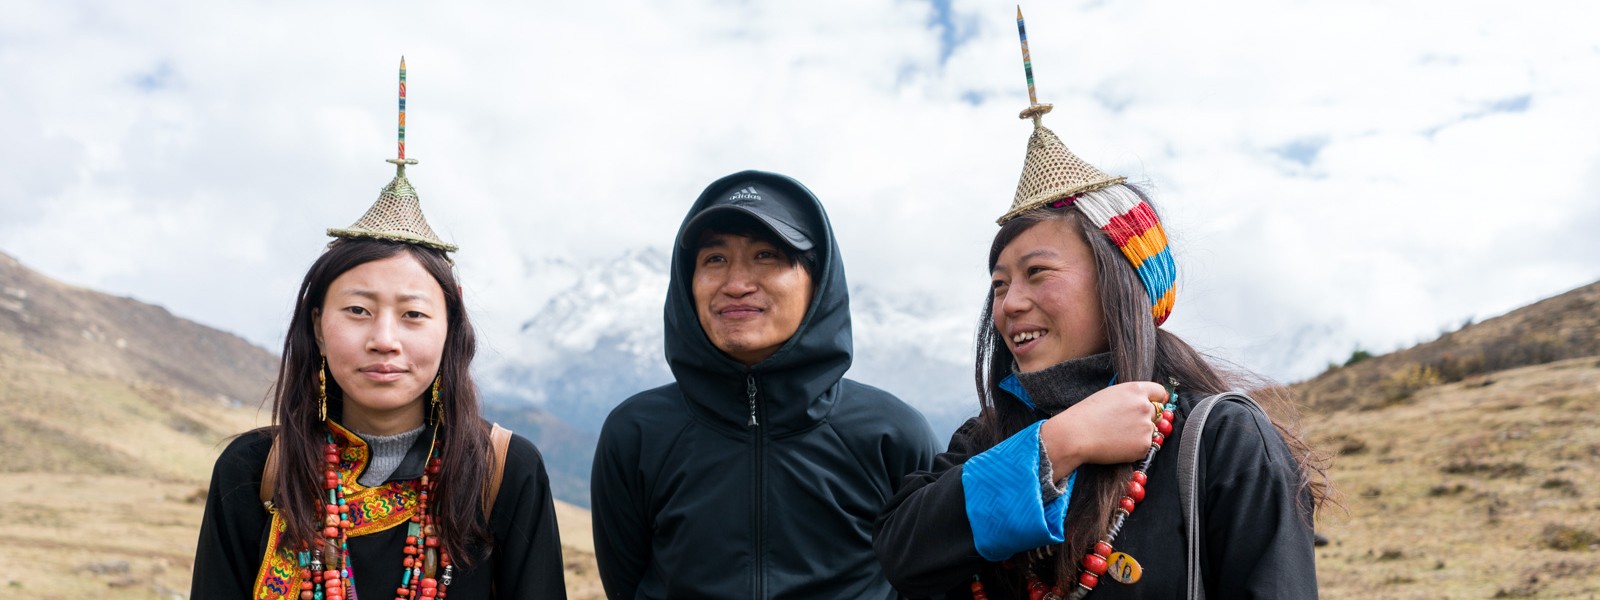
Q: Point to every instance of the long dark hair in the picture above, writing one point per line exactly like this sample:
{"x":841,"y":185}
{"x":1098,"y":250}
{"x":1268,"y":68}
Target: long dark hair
{"x":299,"y":433}
{"x":1139,"y":352}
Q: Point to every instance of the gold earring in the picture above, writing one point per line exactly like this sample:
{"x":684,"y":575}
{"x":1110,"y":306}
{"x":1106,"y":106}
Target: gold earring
{"x":322,"y":390}
{"x":436,"y":379}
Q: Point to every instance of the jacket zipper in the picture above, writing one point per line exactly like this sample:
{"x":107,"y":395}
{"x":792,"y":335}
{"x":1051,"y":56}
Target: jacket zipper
{"x":760,"y":491}
{"x":750,"y":391}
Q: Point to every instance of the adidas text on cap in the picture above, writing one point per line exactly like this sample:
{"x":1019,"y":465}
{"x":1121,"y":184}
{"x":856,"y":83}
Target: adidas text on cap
{"x":765,"y":204}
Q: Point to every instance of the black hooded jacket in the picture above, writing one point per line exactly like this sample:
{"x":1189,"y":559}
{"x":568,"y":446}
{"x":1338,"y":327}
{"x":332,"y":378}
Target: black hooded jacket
{"x":692,"y":501}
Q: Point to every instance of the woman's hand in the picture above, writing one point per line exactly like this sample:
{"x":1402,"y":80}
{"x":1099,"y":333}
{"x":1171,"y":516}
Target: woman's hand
{"x":1111,"y":426}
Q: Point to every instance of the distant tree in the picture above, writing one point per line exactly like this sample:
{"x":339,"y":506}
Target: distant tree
{"x":1357,"y":356}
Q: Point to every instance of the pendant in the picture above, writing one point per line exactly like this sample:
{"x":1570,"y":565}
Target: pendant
{"x":1123,"y":568}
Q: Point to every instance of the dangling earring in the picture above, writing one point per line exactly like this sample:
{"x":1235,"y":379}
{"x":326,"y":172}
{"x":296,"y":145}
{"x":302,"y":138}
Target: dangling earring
{"x":436,"y":407}
{"x":322,"y":390}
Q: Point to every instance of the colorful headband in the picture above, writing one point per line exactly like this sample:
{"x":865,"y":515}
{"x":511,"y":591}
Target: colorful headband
{"x":1133,"y":226}
{"x":397,"y":215}
{"x":1054,"y":177}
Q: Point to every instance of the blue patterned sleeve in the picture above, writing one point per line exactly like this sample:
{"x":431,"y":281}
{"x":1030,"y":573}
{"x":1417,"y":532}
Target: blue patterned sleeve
{"x":1004,"y":502}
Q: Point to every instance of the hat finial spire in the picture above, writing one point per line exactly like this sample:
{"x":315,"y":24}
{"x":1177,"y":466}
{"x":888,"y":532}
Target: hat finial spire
{"x":1034,"y":110}
{"x":401,"y":161}
{"x":397,"y":215}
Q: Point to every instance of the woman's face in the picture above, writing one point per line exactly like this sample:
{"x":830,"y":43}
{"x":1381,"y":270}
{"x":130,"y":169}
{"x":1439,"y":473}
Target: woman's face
{"x":382,"y":328}
{"x":1046,"y":302}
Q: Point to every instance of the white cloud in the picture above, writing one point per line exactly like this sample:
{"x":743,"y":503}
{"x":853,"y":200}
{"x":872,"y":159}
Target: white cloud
{"x":1366,"y":172}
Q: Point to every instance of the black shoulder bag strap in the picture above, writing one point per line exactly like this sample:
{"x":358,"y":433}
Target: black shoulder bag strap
{"x":1188,"y":485}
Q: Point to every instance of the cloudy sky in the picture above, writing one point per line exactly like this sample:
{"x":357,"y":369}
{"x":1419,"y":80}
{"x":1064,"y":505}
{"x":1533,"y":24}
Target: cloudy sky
{"x":1333,"y":173}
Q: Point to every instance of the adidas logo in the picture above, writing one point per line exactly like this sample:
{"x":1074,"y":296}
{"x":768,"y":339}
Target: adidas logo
{"x":748,"y":193}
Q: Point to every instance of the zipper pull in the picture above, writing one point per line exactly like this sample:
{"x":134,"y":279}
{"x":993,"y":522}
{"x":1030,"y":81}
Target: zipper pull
{"x":750,"y":390}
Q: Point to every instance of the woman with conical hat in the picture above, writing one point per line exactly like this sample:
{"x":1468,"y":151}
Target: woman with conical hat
{"x":379,"y":478}
{"x":1071,"y":481}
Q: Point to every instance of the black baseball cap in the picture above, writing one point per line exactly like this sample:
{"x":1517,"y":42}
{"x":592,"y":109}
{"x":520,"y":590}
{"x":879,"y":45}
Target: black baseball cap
{"x":756,"y":199}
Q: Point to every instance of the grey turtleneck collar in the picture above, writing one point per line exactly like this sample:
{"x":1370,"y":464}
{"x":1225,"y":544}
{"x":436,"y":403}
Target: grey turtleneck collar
{"x":386,"y":452}
{"x":1056,"y":388}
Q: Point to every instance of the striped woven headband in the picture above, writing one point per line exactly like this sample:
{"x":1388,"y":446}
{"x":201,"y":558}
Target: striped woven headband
{"x":1133,"y":226}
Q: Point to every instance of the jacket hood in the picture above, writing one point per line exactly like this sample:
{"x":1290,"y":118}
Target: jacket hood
{"x":795,"y":386}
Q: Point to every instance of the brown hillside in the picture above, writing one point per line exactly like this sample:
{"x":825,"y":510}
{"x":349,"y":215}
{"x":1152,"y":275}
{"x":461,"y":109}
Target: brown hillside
{"x":1484,"y":488}
{"x":1563,"y":327}
{"x":90,"y":333}
{"x":1469,"y":464}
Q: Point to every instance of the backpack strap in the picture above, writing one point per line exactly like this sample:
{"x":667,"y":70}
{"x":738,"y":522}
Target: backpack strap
{"x":499,"y":442}
{"x":269,"y":475}
{"x":1188,"y":482}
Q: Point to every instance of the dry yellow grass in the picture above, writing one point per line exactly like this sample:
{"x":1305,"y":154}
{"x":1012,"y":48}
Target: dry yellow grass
{"x":97,"y":536}
{"x":105,"y":536}
{"x":1478,"y":489}
{"x":577,"y":549}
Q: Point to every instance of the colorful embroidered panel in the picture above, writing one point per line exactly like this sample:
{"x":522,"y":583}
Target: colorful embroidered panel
{"x":371,"y":510}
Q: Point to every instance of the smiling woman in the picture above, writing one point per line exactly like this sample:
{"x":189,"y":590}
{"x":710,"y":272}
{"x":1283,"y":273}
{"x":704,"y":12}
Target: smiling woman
{"x":1068,"y":480}
{"x":1060,"y":487}
{"x":378,"y":461}
{"x":1050,"y":267}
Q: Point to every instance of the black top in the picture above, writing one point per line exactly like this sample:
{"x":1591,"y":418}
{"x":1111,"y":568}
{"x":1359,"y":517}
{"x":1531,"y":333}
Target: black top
{"x":1257,"y":524}
{"x":691,"y":500}
{"x":525,"y":562}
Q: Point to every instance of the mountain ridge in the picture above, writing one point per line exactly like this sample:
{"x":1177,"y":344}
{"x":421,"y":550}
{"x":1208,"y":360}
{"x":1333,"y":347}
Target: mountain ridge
{"x":92,"y":333}
{"x":1563,"y":326}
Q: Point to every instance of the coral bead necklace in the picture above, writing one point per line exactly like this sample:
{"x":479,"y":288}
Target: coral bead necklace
{"x":1099,"y":560}
{"x":325,"y":571}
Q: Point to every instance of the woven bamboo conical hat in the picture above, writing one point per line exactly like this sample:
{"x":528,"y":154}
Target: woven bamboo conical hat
{"x":1051,"y":172}
{"x":396,"y":216}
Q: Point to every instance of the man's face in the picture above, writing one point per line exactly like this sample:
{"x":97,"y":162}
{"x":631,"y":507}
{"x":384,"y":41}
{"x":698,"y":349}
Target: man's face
{"x":749,"y":298}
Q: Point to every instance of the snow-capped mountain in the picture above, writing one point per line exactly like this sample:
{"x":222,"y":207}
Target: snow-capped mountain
{"x":591,"y":345}
{"x":599,"y":341}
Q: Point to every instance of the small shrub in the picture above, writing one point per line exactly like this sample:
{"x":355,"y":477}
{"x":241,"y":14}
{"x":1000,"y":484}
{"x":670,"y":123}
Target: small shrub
{"x":1565,"y":486}
{"x":1490,"y":470}
{"x":1347,"y":445}
{"x":1400,"y":385}
{"x":1357,"y":356}
{"x":1568,"y":539}
{"x":1527,"y":590}
{"x":1446,"y":490}
{"x":1452,"y":368}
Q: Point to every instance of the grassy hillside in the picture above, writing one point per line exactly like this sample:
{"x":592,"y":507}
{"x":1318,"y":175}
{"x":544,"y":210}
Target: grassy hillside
{"x":1470,"y":464}
{"x":1484,"y":488}
{"x":105,"y":479}
{"x":1558,"y":328}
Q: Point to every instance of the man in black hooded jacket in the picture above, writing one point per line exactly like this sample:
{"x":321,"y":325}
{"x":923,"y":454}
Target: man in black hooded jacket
{"x":759,"y":473}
